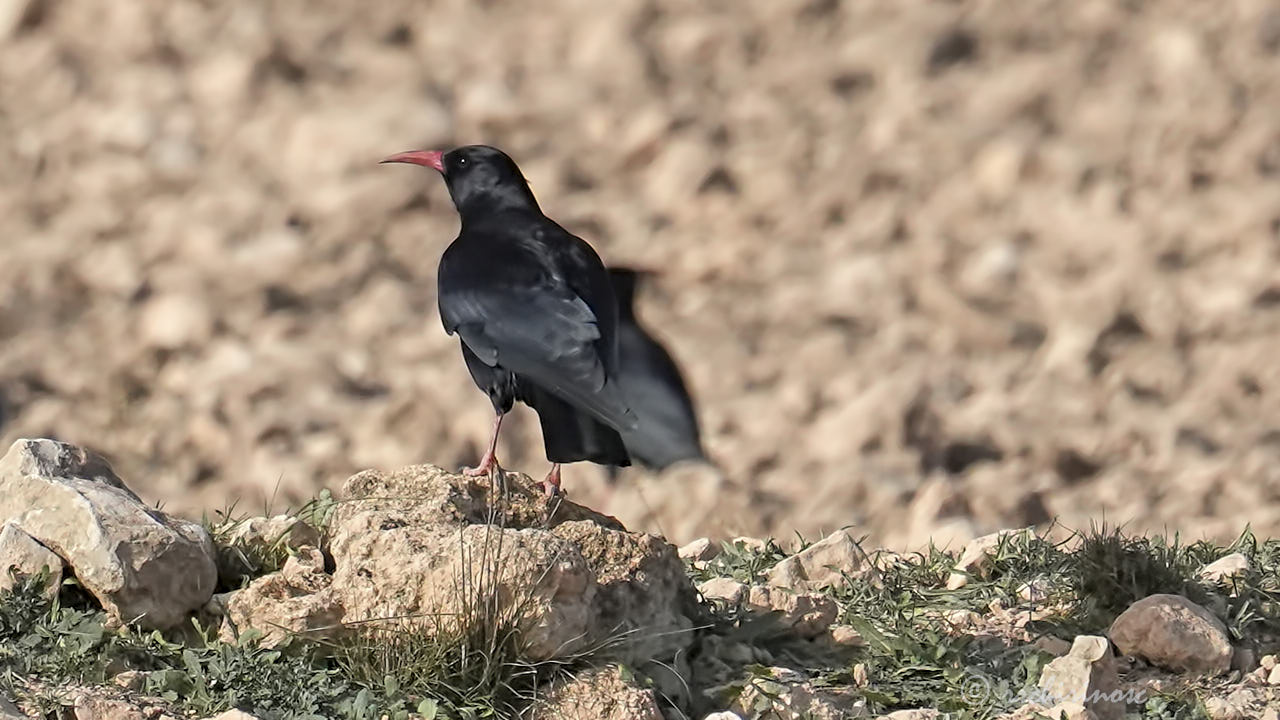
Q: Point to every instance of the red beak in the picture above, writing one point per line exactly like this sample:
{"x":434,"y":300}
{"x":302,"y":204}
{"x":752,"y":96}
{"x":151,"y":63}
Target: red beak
{"x":426,"y":158}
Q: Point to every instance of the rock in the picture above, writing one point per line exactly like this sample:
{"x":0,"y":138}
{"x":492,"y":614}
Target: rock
{"x":1085,"y":675}
{"x":643,"y":595}
{"x":1273,"y":677}
{"x":234,"y":715}
{"x":976,"y":557}
{"x":598,"y":694}
{"x":278,"y":531}
{"x":1219,"y":708}
{"x":824,"y":564}
{"x":137,"y":561}
{"x":1268,"y":662}
{"x":9,"y":711}
{"x":297,"y":599}
{"x":725,"y":715}
{"x":1174,"y":633}
{"x":89,"y":707}
{"x":1035,"y":591}
{"x":846,"y":636}
{"x":723,"y":589}
{"x":131,"y":680}
{"x":1053,"y":645}
{"x":699,"y":550}
{"x":418,"y":543}
{"x":1225,"y":568}
{"x":23,"y":556}
{"x":962,"y":618}
{"x":175,"y":320}
{"x":913,"y":714}
{"x":786,"y":694}
{"x":808,"y":615}
{"x":745,"y":542}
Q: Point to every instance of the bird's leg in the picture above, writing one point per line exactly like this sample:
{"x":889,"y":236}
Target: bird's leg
{"x":490,"y":461}
{"x":551,"y":485}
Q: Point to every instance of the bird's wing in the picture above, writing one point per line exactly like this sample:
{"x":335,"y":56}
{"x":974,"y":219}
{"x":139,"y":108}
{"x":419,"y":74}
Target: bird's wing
{"x":547,"y":337}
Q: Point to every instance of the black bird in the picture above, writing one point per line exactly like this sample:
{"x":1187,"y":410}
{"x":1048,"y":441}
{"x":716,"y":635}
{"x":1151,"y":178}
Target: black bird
{"x":652,"y":385}
{"x":534,"y":310}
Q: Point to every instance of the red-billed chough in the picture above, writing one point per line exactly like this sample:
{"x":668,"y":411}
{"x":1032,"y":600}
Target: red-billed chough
{"x":652,"y":386}
{"x":534,"y":309}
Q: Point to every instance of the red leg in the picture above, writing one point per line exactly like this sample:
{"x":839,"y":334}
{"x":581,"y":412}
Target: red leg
{"x":490,"y":460}
{"x":551,"y":485}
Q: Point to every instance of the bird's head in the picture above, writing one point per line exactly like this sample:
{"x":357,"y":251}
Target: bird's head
{"x":480,"y":178}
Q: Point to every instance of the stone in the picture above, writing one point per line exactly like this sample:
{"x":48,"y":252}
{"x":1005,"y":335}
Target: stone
{"x":700,"y":550}
{"x":22,"y":556}
{"x":826,"y":563}
{"x":131,"y":680}
{"x":723,"y":589}
{"x":1273,"y":677}
{"x":1085,"y":675}
{"x":175,"y":320}
{"x":913,"y":714}
{"x":420,"y":542}
{"x":9,"y":711}
{"x":643,"y":595}
{"x":846,"y":636}
{"x":90,"y":707}
{"x":234,"y":715}
{"x":724,"y":715}
{"x":975,"y":559}
{"x":1219,"y":708}
{"x":280,"y":530}
{"x":299,"y":599}
{"x":140,"y":563}
{"x":786,"y":694}
{"x":806,"y":614}
{"x":1268,"y":662}
{"x":598,"y":694}
{"x":1174,"y":633}
{"x":1225,"y":568}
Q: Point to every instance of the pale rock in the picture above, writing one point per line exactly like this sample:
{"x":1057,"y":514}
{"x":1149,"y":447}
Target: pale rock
{"x":131,"y":680}
{"x":1220,"y":708}
{"x":1084,"y":675}
{"x":963,"y":619}
{"x":22,"y":555}
{"x":723,"y":715}
{"x":976,"y":557}
{"x":279,"y":530}
{"x":175,"y":320}
{"x":90,"y":707}
{"x":787,"y":694}
{"x":846,"y":636}
{"x":913,"y":714}
{"x":234,"y":714}
{"x":1225,"y":568}
{"x":299,"y":599}
{"x":137,"y":561}
{"x":1273,"y":677}
{"x":824,"y":564}
{"x":1268,"y":662}
{"x":807,"y":614}
{"x":723,"y":589}
{"x":700,"y":550}
{"x":1034,"y":591}
{"x":9,"y":711}
{"x":1174,"y":633}
{"x":753,"y":544}
{"x":597,"y":694}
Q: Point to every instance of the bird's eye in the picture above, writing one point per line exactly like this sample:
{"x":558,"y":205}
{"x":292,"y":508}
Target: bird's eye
{"x":462,"y":162}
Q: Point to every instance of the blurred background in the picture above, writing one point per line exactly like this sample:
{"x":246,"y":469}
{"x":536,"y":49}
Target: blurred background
{"x":931,"y":268}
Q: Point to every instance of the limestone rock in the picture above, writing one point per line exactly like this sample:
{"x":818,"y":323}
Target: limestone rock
{"x":824,"y":564}
{"x":643,"y":592}
{"x":1225,"y":568}
{"x":23,"y":556}
{"x":9,"y":711}
{"x":786,"y":694}
{"x":808,"y":615}
{"x":234,"y":715}
{"x":599,"y":694}
{"x":89,"y":707}
{"x":137,"y":561}
{"x":913,"y":714}
{"x":699,"y":550}
{"x":1085,"y":675}
{"x":976,"y":557}
{"x":298,"y":599}
{"x":266,"y":532}
{"x":846,"y":636}
{"x":723,"y":715}
{"x":723,"y":589}
{"x":1174,"y":633}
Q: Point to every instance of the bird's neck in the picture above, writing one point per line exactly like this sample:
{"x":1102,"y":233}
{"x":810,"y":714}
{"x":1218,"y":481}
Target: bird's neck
{"x":479,"y":206}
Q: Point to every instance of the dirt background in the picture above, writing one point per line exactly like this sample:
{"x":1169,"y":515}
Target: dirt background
{"x":932,"y":268}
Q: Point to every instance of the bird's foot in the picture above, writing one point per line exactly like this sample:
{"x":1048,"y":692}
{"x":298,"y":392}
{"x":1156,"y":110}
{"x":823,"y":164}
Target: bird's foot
{"x":551,"y":485}
{"x":488,"y":466}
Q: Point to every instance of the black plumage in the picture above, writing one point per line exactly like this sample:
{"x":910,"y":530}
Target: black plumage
{"x":534,"y":310}
{"x":667,"y":431}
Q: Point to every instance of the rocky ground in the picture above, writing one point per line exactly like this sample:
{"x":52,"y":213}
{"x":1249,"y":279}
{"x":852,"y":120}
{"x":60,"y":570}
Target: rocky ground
{"x":933,"y":269}
{"x":421,"y":594}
